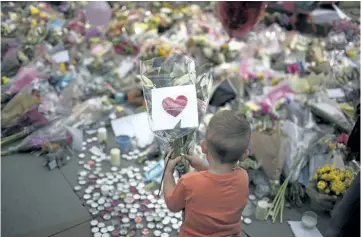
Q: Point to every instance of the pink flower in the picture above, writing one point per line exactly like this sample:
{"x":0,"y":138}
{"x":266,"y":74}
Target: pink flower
{"x":342,"y":138}
{"x":293,"y":68}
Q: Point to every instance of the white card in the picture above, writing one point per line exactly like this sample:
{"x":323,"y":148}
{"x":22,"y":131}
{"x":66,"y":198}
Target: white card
{"x":300,"y":231}
{"x":335,"y":93}
{"x":171,"y":105}
{"x":77,"y":136}
{"x":136,"y":125}
{"x":61,"y":57}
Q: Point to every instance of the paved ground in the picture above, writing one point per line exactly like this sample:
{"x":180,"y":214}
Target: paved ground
{"x":41,"y":203}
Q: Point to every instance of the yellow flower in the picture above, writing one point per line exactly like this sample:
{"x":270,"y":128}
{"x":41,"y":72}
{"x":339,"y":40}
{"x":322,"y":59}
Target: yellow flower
{"x":321,"y":185}
{"x":275,"y":81}
{"x":347,"y":182}
{"x":34,"y":10}
{"x":351,"y":53}
{"x":224,"y":46}
{"x":331,"y":145}
{"x":349,"y":173}
{"x":327,"y":190}
{"x":337,"y":187}
{"x":261,"y":76}
{"x":327,"y":167}
{"x":5,"y":79}
{"x":157,"y":19}
{"x":326,"y":177}
{"x":34,"y":22}
{"x":163,"y":52}
{"x":320,"y":170}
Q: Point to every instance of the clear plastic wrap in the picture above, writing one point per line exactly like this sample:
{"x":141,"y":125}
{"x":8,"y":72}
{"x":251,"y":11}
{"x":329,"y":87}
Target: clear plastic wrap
{"x":176,"y":70}
{"x":296,"y":142}
{"x":317,"y":155}
{"x":37,"y":103}
{"x":25,"y":76}
{"x":83,"y":114}
{"x":330,"y":111}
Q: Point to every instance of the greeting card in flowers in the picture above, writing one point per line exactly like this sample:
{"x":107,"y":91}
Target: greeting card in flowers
{"x":174,"y":106}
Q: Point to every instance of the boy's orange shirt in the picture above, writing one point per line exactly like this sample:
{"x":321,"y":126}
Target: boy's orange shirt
{"x":213,"y":203}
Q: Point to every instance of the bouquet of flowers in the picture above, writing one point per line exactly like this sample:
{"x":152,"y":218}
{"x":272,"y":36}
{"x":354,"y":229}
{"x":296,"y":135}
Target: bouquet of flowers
{"x":332,"y":181}
{"x":36,"y":104}
{"x":50,"y":108}
{"x":56,"y":134}
{"x":176,"y":93}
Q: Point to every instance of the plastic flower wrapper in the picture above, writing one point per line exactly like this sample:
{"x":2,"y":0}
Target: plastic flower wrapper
{"x":28,"y":98}
{"x":330,"y":111}
{"x":50,"y":108}
{"x":56,"y":132}
{"x":154,"y":48}
{"x":297,"y":141}
{"x":24,"y":77}
{"x":205,"y":50}
{"x":176,"y":70}
{"x":328,"y":183}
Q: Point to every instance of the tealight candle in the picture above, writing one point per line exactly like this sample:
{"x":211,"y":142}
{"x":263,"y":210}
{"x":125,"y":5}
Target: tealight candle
{"x":115,"y":157}
{"x":102,"y":134}
{"x":104,"y":190}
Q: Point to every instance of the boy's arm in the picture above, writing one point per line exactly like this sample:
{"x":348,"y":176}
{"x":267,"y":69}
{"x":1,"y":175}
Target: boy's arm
{"x":197,"y":163}
{"x":174,"y":194}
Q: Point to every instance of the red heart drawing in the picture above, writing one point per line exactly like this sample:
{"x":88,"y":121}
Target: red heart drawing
{"x":175,"y":107}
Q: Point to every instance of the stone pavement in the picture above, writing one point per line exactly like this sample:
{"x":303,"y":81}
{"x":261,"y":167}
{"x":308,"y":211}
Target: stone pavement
{"x":38,"y":202}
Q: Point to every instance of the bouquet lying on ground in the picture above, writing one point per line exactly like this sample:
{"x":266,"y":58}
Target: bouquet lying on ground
{"x":56,"y":133}
{"x":34,"y":106}
{"x":166,"y":73}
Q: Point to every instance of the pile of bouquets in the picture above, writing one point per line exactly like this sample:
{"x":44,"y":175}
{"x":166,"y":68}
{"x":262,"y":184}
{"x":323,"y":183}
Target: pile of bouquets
{"x":56,"y":133}
{"x":35,"y":106}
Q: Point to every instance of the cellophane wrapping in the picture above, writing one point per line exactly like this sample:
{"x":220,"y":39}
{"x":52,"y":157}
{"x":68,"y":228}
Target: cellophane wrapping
{"x":56,"y":132}
{"x":176,"y":70}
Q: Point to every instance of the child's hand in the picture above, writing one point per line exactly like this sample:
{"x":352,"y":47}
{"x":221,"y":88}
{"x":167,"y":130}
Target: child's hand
{"x":196,"y":162}
{"x":171,"y":163}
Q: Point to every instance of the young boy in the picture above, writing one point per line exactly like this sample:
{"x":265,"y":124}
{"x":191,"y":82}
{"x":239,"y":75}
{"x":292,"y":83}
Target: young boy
{"x":213,"y":198}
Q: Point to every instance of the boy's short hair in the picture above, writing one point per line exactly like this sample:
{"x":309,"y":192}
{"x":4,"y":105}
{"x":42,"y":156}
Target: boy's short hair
{"x":228,"y":135}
